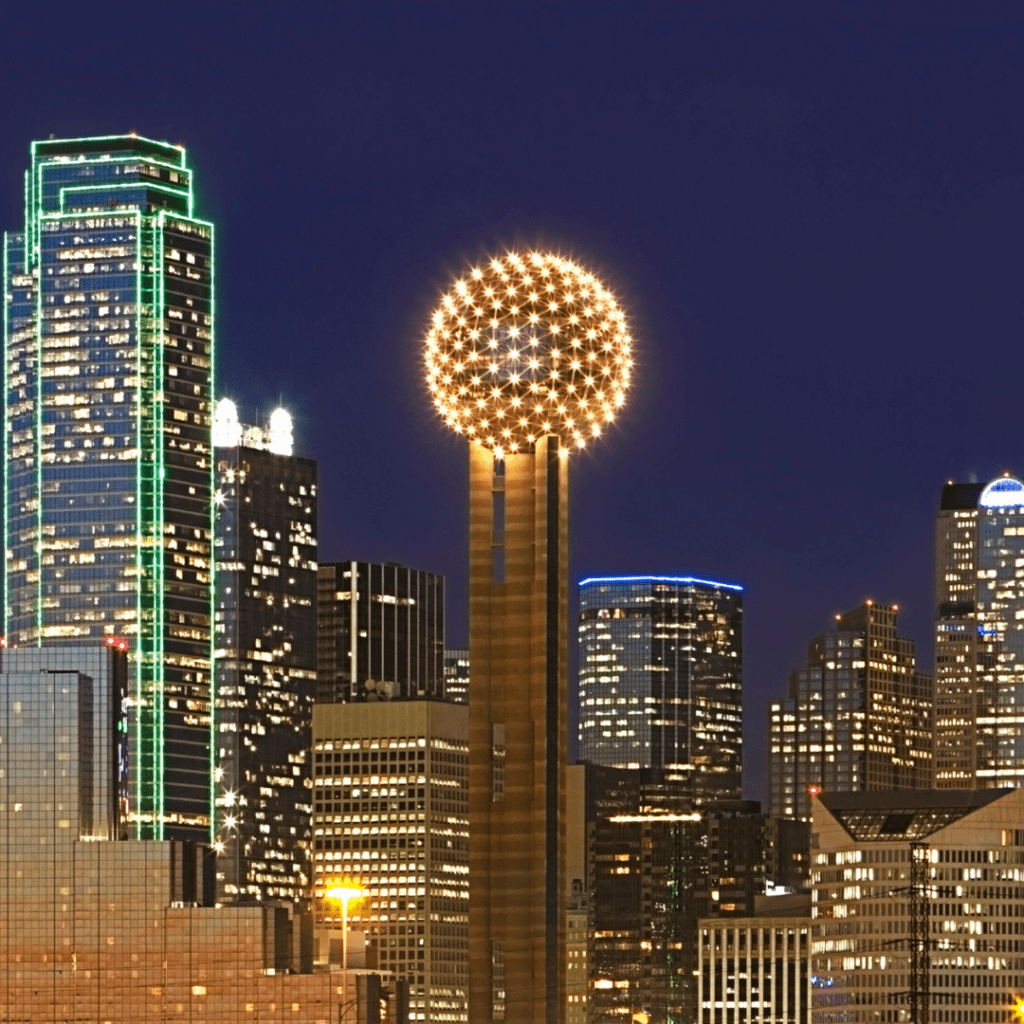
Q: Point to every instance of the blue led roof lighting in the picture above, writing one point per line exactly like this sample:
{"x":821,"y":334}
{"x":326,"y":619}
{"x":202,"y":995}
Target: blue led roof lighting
{"x":659,"y":579}
{"x":1006,"y":492}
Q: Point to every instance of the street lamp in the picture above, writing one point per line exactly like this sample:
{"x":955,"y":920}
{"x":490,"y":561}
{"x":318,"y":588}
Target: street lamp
{"x":345,"y":894}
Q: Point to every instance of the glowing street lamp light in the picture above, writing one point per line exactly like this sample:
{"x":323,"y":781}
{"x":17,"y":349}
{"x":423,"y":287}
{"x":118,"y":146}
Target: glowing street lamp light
{"x":345,"y":894}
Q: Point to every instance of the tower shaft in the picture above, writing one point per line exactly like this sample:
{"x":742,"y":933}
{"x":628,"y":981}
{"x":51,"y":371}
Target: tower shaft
{"x":518,"y":594}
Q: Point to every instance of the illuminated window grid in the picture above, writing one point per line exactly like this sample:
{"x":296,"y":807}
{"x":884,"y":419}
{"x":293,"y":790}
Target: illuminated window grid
{"x":266,"y":671}
{"x":858,"y":715}
{"x":456,"y":675}
{"x":755,"y":969}
{"x":979,"y":635}
{"x":381,"y":632}
{"x":861,"y":925}
{"x":95,"y":929}
{"x":390,"y":815}
{"x":109,"y":332}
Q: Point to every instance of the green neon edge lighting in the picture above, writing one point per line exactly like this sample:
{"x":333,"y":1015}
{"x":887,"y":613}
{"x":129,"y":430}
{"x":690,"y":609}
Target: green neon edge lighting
{"x":107,"y":161}
{"x":40,"y":164}
{"x":150,"y":667}
{"x":105,"y":138}
{"x":156,"y":547}
{"x":137,"y":655}
{"x":30,"y":208}
{"x":213,"y":545}
{"x":27,"y":242}
{"x":159,"y":553}
{"x":122,"y":186}
{"x":67,"y":161}
{"x":39,"y":440}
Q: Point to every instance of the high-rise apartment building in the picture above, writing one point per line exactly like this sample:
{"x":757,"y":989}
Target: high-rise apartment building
{"x":381,"y":632}
{"x":936,"y":872}
{"x":266,"y":587}
{"x":107,"y":513}
{"x":858,"y":715}
{"x":661,"y":678}
{"x":390,"y":817}
{"x":456,"y":675}
{"x":979,"y":635}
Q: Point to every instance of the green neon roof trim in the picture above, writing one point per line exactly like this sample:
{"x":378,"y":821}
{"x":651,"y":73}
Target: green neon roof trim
{"x":108,"y":138}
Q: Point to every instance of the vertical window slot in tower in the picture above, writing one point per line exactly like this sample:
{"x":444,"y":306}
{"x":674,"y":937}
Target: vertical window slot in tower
{"x":498,"y":536}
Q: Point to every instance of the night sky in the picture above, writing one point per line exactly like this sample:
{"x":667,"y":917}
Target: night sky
{"x":813,"y":213}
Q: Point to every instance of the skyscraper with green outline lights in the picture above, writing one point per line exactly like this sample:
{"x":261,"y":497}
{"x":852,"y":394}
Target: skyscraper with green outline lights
{"x":107,"y":513}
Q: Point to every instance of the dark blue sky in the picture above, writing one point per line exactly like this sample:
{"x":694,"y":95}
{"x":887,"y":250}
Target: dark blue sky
{"x":813,"y":212}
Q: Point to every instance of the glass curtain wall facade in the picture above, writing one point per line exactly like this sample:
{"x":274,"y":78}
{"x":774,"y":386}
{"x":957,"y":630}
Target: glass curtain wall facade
{"x":381,"y":633}
{"x":858,"y":716}
{"x":108,"y":367}
{"x":266,"y":669}
{"x":979,"y":635}
{"x":661,"y":679}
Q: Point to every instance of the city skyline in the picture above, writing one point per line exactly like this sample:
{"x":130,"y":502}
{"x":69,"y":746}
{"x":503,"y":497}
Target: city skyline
{"x":768,"y":197}
{"x":812,"y":218}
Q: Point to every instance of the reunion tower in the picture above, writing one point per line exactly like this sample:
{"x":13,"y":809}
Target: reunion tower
{"x":528,"y":357}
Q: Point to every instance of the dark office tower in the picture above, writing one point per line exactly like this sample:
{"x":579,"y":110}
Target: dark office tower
{"x":979,"y":635}
{"x":858,"y":716}
{"x":107,"y":405}
{"x":381,"y":633}
{"x":661,"y":678}
{"x":751,"y":854}
{"x":265,"y":658}
{"x":647,"y":874}
{"x":456,"y":675}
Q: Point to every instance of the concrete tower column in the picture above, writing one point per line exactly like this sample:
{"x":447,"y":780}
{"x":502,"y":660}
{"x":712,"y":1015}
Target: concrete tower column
{"x":518,"y":656}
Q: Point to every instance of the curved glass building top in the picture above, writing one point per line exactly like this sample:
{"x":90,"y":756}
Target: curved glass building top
{"x":1006,"y":492}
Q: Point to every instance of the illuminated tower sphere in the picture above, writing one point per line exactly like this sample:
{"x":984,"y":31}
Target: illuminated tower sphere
{"x":529,"y":358}
{"x":532,"y":346}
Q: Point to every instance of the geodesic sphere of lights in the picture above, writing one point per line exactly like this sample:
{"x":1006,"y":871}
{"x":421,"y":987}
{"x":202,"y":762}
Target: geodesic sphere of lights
{"x":529,"y":346}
